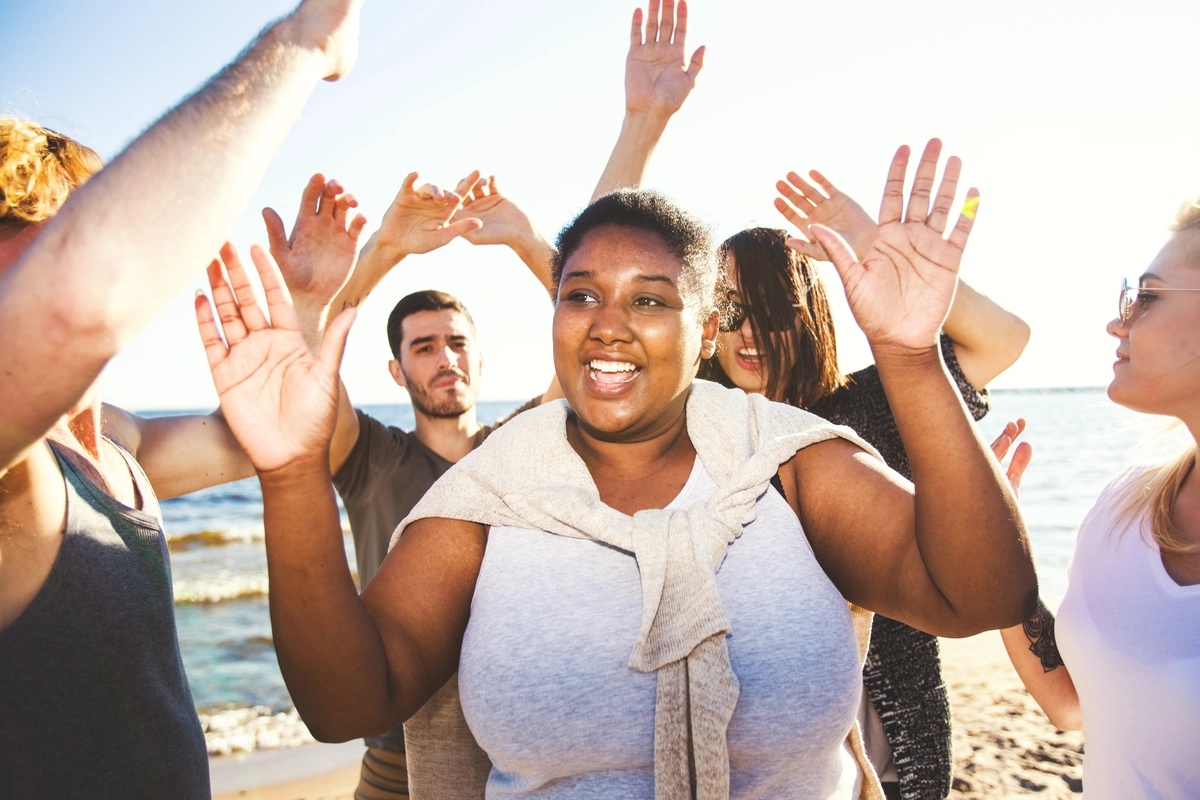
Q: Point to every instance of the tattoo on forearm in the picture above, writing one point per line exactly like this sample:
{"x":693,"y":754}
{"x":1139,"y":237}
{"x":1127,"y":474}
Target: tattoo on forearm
{"x":1039,"y":629}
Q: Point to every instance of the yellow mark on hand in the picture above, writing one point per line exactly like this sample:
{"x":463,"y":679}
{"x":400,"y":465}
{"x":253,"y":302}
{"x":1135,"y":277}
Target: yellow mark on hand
{"x":970,"y":207}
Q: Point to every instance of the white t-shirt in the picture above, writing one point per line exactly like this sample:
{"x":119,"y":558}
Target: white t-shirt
{"x":1130,"y":637}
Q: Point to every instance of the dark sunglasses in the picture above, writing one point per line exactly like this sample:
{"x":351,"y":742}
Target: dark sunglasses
{"x":737,"y":315}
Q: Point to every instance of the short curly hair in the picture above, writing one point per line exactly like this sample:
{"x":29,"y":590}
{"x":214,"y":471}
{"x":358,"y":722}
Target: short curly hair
{"x":686,"y":237}
{"x":39,"y":168}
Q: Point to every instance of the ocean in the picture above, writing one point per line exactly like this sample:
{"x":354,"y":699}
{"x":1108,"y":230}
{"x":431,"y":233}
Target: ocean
{"x":1081,"y":441}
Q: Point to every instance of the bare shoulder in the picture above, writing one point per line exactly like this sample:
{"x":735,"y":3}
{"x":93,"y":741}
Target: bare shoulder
{"x":122,"y":427}
{"x":32,"y":518}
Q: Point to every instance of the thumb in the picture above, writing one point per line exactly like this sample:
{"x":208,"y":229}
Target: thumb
{"x":277,"y":238}
{"x":334,"y":343}
{"x":697,"y":62}
{"x":807,"y":249}
{"x":835,"y":246}
{"x":460,"y":227}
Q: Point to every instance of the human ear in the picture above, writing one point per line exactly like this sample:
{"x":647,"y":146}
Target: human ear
{"x":708,"y":341}
{"x":397,"y":373}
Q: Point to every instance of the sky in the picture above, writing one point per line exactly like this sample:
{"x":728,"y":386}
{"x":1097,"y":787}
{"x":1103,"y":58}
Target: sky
{"x":1076,"y":120}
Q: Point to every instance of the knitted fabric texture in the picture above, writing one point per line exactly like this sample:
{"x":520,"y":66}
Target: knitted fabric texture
{"x":741,"y":440}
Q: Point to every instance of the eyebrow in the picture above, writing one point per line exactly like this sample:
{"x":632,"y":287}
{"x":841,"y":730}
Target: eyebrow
{"x":587,"y":273}
{"x":1151,"y":276}
{"x":453,"y":339}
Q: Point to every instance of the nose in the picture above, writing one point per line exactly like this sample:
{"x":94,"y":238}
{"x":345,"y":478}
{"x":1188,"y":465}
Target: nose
{"x":446,"y":357}
{"x":1117,"y":328}
{"x":610,"y":323}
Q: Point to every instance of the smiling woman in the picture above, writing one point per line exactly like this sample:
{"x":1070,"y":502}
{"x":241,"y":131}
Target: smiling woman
{"x":678,"y":556}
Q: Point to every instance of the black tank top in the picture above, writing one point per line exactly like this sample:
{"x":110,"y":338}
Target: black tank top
{"x":93,"y":698}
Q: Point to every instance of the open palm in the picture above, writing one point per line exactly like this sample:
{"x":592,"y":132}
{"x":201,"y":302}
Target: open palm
{"x":657,"y":78}
{"x":421,"y":219}
{"x":279,"y":399}
{"x":901,"y":291}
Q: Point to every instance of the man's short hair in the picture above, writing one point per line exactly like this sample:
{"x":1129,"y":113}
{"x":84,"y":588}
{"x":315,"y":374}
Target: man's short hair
{"x":426,"y":300}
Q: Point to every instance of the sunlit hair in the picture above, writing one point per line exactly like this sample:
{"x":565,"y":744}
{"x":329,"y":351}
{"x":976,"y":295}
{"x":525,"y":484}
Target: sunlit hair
{"x":685,"y":236}
{"x":1188,"y":217}
{"x":783,"y":293}
{"x":39,"y":169}
{"x":425,"y":300}
{"x":1152,"y":495}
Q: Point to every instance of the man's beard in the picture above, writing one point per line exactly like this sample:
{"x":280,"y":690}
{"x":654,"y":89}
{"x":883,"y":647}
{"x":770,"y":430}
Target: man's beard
{"x":447,"y":408}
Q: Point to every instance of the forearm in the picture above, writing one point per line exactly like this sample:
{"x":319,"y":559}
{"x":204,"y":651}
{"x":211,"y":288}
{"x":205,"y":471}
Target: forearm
{"x":1033,"y":650}
{"x":988,"y":339}
{"x":969,"y":533}
{"x":329,"y":650}
{"x":135,"y":234}
{"x":375,"y":261}
{"x":538,"y":256}
{"x":626,"y":165}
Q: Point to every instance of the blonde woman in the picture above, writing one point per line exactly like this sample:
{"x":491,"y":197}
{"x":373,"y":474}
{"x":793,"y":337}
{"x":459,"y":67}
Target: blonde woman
{"x":1122,"y":661}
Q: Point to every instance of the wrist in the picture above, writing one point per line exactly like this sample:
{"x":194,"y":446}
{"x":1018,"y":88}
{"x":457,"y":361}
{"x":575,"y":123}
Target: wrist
{"x":645,"y":123}
{"x":894,"y":356}
{"x":300,"y":475}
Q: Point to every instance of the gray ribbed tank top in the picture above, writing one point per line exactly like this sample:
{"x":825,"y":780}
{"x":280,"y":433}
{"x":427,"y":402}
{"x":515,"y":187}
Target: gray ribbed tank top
{"x":93,"y":698}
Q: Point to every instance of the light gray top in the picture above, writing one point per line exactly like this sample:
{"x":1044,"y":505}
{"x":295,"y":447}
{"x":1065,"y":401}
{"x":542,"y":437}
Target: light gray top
{"x":549,"y":693}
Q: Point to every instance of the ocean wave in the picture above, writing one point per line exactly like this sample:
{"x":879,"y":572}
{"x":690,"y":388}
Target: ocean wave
{"x":178,"y":543}
{"x":220,"y":589}
{"x":245,"y":729}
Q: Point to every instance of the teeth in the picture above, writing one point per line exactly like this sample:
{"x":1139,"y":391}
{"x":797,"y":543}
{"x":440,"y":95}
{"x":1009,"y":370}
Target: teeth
{"x":611,"y":366}
{"x":748,"y":352}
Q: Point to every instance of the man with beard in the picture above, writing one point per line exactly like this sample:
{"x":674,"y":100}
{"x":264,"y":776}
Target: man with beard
{"x":381,"y":471}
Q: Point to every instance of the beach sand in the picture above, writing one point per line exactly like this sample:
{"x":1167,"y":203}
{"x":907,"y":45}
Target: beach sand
{"x":1003,"y":744}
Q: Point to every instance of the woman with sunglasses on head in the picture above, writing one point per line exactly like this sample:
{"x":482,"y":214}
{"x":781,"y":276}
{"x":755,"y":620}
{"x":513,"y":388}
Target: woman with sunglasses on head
{"x":779,"y":341}
{"x":1122,"y":661}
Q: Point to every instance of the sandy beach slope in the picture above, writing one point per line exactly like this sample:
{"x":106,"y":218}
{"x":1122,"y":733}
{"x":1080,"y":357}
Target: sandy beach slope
{"x":1003,"y":744}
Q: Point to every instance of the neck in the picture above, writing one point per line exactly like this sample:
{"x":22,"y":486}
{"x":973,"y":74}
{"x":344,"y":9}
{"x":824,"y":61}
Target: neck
{"x":449,"y":437}
{"x":635,"y":475}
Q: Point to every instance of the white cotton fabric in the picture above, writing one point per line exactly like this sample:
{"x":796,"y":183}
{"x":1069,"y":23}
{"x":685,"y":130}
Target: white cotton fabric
{"x":1130,"y":638}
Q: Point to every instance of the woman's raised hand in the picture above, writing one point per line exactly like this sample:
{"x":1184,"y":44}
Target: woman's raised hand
{"x":901,"y":291}
{"x":803,"y":205}
{"x":657,"y":79}
{"x":279,"y":399}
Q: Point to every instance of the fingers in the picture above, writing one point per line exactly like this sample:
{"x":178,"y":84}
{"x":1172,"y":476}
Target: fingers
{"x":944,"y":202}
{"x":465,"y":186}
{"x":807,"y":249}
{"x":635,"y":35}
{"x":666,"y":27}
{"x":825,"y":184}
{"x":791,"y":214}
{"x":681,"y":17}
{"x":227,"y":307}
{"x":247,"y":304}
{"x":341,"y":208}
{"x":922,"y":188}
{"x":460,"y":227}
{"x":406,"y":186}
{"x":310,"y":198}
{"x":652,"y":22}
{"x":355,"y":230}
{"x":210,"y":335}
{"x":277,"y":238}
{"x":966,"y":220}
{"x":892,"y":206}
{"x":697,"y":63}
{"x":279,"y":299}
{"x":1020,"y":462}
{"x":333,"y":345}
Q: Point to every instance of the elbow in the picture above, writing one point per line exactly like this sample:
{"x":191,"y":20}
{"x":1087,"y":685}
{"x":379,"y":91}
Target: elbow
{"x":1017,"y":340}
{"x":1066,"y":719}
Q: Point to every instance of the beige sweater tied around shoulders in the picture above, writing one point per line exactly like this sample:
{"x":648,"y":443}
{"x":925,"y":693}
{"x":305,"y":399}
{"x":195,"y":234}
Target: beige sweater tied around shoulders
{"x":527,"y":475}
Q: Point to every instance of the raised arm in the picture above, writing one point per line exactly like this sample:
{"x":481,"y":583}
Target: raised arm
{"x":987,"y":338}
{"x":349,"y":674}
{"x":1032,"y":646}
{"x":122,"y":247}
{"x":952,"y":557}
{"x":316,"y":261}
{"x":657,"y":81}
{"x":419,"y":220}
{"x":504,"y":223}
